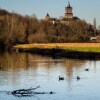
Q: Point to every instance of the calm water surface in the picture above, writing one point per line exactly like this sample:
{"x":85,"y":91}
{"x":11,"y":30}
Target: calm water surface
{"x":24,"y":70}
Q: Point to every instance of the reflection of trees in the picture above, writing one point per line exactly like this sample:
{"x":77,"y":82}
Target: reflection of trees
{"x":42,"y":63}
{"x":17,"y":61}
{"x":13,"y":62}
{"x":72,"y":65}
{"x":34,"y":64}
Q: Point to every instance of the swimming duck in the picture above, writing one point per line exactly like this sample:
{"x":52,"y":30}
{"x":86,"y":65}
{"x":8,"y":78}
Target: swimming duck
{"x":61,"y":78}
{"x":87,"y":69}
{"x":78,"y":78}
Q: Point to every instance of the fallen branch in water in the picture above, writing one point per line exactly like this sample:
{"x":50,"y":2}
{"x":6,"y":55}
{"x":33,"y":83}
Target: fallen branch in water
{"x":24,"y":91}
{"x":28,"y":92}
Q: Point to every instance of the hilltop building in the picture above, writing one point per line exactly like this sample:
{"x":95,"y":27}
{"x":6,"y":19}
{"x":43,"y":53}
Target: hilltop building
{"x":67,"y":17}
{"x":68,"y":12}
{"x":47,"y":17}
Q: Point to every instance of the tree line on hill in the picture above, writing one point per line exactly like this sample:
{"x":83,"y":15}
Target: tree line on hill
{"x":18,"y":29}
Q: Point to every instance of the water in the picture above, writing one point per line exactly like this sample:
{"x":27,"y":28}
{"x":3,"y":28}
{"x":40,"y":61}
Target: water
{"x":24,"y":70}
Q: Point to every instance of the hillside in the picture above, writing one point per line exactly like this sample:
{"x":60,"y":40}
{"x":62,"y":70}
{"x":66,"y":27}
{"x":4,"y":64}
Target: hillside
{"x":18,"y":29}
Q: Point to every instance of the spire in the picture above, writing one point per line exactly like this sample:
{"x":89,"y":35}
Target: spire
{"x":94,"y":24}
{"x":47,"y":14}
{"x":47,"y":17}
{"x":68,"y":4}
{"x":68,"y":11}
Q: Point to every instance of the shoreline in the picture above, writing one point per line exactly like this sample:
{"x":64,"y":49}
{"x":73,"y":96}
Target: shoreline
{"x":58,"y":52}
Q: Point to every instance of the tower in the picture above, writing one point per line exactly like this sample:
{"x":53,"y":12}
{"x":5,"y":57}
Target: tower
{"x":47,"y":17}
{"x":68,"y":11}
{"x":94,"y":25}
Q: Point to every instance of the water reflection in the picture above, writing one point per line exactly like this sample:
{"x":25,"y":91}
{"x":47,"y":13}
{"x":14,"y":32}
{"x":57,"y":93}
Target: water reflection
{"x":17,"y":62}
{"x":24,"y":70}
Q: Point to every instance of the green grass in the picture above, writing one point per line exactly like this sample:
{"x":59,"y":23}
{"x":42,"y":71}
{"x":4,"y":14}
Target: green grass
{"x":81,"y":47}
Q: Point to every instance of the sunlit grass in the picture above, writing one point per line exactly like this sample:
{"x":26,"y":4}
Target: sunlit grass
{"x":82,"y":47}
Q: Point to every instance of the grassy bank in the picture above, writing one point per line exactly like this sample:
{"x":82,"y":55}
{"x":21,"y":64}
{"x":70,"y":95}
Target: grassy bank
{"x":83,"y":47}
{"x":70,"y":50}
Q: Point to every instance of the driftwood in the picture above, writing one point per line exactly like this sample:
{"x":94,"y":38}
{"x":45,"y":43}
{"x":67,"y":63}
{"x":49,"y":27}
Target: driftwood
{"x":24,"y":91}
{"x":28,"y":92}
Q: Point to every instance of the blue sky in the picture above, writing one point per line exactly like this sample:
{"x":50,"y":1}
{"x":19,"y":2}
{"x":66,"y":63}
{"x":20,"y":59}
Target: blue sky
{"x":84,"y":9}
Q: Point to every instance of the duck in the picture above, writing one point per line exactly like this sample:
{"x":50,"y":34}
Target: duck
{"x":78,"y":78}
{"x":61,"y":78}
{"x":86,"y":69}
{"x":51,"y":92}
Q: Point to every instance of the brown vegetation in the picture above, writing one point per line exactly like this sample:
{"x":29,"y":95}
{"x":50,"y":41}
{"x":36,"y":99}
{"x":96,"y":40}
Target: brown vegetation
{"x":18,"y":29}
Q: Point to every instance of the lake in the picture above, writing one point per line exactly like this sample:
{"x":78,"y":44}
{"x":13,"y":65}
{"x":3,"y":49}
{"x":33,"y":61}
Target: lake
{"x":25,"y":70}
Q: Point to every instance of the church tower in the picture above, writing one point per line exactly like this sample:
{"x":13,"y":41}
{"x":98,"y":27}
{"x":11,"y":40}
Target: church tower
{"x":68,"y":11}
{"x":47,"y":17}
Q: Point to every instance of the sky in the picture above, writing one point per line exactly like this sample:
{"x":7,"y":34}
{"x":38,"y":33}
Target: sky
{"x":84,"y":9}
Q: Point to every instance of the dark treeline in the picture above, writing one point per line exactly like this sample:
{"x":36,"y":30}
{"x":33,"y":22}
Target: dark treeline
{"x":18,"y":29}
